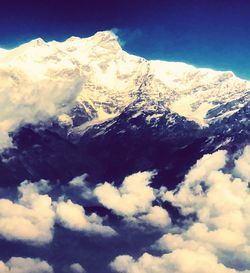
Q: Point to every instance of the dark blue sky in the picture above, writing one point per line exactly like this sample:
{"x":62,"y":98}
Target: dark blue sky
{"x":205,"y":33}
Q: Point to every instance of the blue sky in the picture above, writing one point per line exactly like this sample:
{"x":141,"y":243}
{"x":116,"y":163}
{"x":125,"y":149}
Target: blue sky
{"x":206,"y":33}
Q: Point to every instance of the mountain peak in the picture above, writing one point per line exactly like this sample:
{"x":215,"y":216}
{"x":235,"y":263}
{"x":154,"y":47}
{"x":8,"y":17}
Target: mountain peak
{"x":105,"y":35}
{"x":73,"y":39}
{"x":106,"y":39}
{"x":37,"y":42}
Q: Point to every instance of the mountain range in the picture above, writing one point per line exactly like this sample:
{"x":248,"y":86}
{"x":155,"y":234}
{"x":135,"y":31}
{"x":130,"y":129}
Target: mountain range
{"x":85,"y":105}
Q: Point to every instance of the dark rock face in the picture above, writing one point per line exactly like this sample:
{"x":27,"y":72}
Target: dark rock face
{"x":119,"y":147}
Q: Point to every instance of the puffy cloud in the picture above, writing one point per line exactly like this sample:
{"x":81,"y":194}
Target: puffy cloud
{"x":25,"y":265}
{"x":198,"y":236}
{"x":171,"y":242}
{"x":178,"y":261}
{"x":73,"y":216}
{"x":218,"y":238}
{"x":242,"y":165}
{"x":77,"y":268}
{"x":81,"y":185}
{"x":221,"y":204}
{"x":30,"y":100}
{"x":33,"y":214}
{"x":133,"y":200}
{"x":134,"y":196}
{"x":156,"y":216}
{"x":205,"y":165}
{"x":190,"y":193}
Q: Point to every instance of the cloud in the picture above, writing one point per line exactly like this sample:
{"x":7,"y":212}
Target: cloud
{"x":72,"y":216}
{"x":127,"y":36}
{"x":221,"y":204}
{"x":29,"y":95}
{"x":118,"y":34}
{"x":190,"y":193}
{"x":179,"y":261}
{"x":242,"y":165}
{"x":156,"y":216}
{"x":206,"y":165}
{"x":77,"y":268}
{"x":78,"y":181}
{"x":133,"y":200}
{"x":218,"y":238}
{"x":134,"y":196}
{"x":33,"y":214}
{"x":82,"y":186}
{"x":25,"y":265}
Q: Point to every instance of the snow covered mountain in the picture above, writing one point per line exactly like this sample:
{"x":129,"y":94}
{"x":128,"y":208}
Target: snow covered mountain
{"x":93,"y":80}
{"x":85,"y":105}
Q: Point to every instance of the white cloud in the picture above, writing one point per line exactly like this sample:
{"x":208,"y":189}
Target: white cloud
{"x":133,"y":200}
{"x":218,"y":240}
{"x":125,"y":36}
{"x":205,"y":165}
{"x":33,"y":214}
{"x":25,"y":98}
{"x":81,"y":185}
{"x":242,"y":165}
{"x":156,"y":216}
{"x":25,"y":265}
{"x":77,"y":268}
{"x":134,"y":196}
{"x":191,"y":192}
{"x":78,"y":181}
{"x":221,"y":203}
{"x":73,"y":216}
{"x":178,"y":261}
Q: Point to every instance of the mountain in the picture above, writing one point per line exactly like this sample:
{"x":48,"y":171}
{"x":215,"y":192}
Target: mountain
{"x":87,"y":106}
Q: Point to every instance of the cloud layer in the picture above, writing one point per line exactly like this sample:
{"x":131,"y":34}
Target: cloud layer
{"x":35,"y":215}
{"x":218,"y":240}
{"x":212,"y":234}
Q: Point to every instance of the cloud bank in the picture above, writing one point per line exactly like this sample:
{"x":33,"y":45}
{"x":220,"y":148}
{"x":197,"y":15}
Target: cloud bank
{"x":35,"y":215}
{"x":218,"y":240}
{"x":212,"y":234}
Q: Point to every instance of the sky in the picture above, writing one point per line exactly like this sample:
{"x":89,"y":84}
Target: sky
{"x":205,"y":33}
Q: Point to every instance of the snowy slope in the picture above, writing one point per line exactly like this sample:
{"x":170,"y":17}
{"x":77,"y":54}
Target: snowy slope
{"x":96,"y":78}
